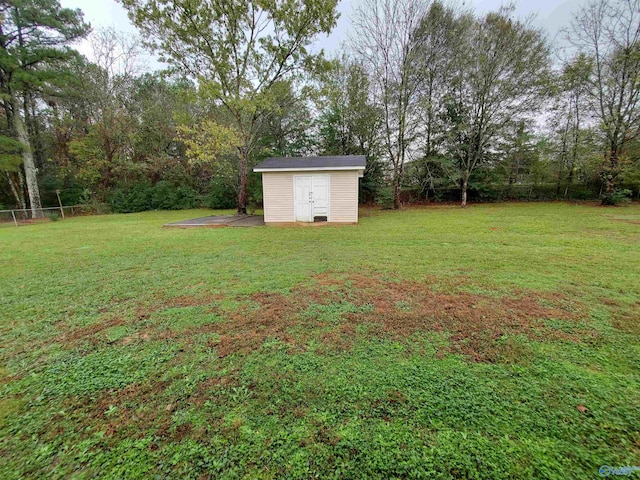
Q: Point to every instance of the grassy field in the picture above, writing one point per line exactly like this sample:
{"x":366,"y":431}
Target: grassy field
{"x":500,"y":341}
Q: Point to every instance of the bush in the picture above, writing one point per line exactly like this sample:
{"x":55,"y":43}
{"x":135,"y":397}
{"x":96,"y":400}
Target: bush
{"x":385,"y":198}
{"x":618,"y":196}
{"x":186,"y":197}
{"x":581,"y":194}
{"x":139,"y":197}
{"x":132,"y":198}
{"x":222,"y":196}
{"x":70,"y":191}
{"x":53,"y":216}
{"x":167,"y":196}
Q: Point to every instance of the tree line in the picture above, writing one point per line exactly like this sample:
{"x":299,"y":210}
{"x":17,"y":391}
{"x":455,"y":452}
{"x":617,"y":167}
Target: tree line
{"x":446,"y":104}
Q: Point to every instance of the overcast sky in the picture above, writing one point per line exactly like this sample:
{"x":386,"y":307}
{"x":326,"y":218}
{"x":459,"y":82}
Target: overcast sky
{"x":552,"y":14}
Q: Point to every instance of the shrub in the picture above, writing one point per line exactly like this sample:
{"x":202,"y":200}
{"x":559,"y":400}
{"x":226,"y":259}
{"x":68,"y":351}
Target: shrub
{"x":167,"y":196}
{"x":222,"y":196}
{"x":185,"y":197}
{"x":53,"y":216}
{"x":139,"y":197}
{"x":581,"y":194}
{"x":618,"y":196}
{"x":385,"y":198}
{"x":132,"y":198}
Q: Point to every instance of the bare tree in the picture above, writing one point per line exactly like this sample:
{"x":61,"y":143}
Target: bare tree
{"x":500,"y":68}
{"x":383,"y":39}
{"x":571,"y":114}
{"x":609,"y":32}
{"x":435,"y":41}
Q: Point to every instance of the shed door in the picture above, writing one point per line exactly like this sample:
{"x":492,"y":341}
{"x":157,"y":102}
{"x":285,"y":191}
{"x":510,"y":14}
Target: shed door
{"x":303,"y":198}
{"x":320,"y":196}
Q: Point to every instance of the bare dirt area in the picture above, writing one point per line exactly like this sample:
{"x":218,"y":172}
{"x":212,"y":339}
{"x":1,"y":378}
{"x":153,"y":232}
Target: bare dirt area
{"x":476,"y":325}
{"x":331,"y":307}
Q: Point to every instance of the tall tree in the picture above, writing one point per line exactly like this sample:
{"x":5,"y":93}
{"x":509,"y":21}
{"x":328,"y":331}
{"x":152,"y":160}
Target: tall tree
{"x":349,"y":122}
{"x":570,"y":115}
{"x":435,"y":38}
{"x":288,"y":130}
{"x":383,"y":39}
{"x":238,"y":50}
{"x":436,"y":41}
{"x":34,"y":39}
{"x":10,"y":160}
{"x":107,"y":88}
{"x":518,"y":150}
{"x":500,"y":75}
{"x":608,"y":31}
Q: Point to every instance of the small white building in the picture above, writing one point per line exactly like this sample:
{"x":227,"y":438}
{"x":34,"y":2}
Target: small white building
{"x":311,"y":189}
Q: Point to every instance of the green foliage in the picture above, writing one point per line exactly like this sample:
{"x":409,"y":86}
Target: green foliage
{"x":618,"y":196}
{"x":132,"y":198}
{"x":385,"y":197}
{"x":239,"y":53}
{"x":36,"y":34}
{"x":53,"y":216}
{"x":166,"y":196}
{"x":10,"y":150}
{"x":222,"y":196}
{"x":349,"y":122}
{"x":209,"y":141}
{"x":372,"y":183}
{"x":142,"y":196}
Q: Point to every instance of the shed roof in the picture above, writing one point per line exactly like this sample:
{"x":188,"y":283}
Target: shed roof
{"x":289,"y":164}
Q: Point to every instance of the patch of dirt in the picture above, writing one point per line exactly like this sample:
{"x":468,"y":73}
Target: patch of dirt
{"x":88,"y":331}
{"x":481,"y":326}
{"x":478,"y":326}
{"x":249,"y":327}
{"x":135,"y":408}
{"x":625,"y":317}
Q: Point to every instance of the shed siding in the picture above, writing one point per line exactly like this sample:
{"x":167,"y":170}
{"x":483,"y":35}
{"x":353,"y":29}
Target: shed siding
{"x":277,"y":196}
{"x":343,"y":196}
{"x":277,"y":190}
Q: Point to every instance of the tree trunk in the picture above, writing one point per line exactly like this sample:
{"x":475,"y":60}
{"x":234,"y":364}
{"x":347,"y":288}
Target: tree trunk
{"x":609,"y":174}
{"x":396,"y":190}
{"x":16,"y":185}
{"x":570,"y":177}
{"x":30,"y":170}
{"x":244,"y":176}
{"x":574,"y":151}
{"x":464,"y":186}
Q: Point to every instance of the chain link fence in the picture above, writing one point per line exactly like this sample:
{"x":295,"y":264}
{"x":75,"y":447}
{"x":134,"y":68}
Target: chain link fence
{"x":25,"y":216}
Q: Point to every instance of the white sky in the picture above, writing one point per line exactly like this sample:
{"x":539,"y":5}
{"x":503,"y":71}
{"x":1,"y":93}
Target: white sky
{"x":551,"y":14}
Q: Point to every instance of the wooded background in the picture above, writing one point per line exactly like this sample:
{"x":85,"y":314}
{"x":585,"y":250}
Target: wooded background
{"x":447,"y":104}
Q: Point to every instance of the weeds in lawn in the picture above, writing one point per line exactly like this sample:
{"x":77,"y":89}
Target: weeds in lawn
{"x":436,"y":343}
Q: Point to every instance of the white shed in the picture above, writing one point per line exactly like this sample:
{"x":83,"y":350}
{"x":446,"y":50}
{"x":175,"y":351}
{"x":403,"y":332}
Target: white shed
{"x":311,"y":189}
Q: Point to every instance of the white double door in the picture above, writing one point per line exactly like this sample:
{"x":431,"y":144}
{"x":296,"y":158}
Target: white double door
{"x":311,"y":197}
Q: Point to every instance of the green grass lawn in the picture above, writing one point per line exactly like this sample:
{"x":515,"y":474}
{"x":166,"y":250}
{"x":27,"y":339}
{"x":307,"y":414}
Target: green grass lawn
{"x":499,"y":341}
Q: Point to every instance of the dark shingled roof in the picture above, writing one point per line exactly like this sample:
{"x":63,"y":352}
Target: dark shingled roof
{"x":338,"y":161}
